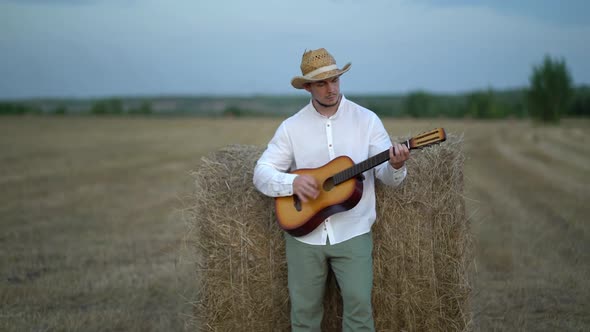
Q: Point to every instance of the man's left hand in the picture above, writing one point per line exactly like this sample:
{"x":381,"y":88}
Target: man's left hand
{"x":398,"y":154}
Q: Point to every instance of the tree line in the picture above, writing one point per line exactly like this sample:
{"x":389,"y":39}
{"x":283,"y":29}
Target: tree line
{"x":549,"y":96}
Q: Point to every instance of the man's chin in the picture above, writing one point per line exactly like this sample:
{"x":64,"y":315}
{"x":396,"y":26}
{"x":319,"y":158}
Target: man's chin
{"x":329,"y":102}
{"x":332,"y":101}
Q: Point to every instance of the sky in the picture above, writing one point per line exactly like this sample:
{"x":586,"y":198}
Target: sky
{"x":101,"y":48}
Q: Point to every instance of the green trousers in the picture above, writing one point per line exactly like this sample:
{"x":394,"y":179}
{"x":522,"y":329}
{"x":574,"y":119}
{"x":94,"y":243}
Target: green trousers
{"x":352,"y":264}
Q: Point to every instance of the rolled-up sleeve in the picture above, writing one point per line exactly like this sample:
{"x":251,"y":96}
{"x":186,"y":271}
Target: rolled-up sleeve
{"x":272,"y":182}
{"x":380,"y":142}
{"x":391,"y":176}
{"x":270,"y":176}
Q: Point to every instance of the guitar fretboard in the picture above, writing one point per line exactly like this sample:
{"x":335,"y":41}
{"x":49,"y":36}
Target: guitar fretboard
{"x":364,"y":166}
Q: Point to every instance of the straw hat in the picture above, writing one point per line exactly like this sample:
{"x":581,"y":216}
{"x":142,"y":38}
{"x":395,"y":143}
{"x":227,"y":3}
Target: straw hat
{"x":317,"y":65}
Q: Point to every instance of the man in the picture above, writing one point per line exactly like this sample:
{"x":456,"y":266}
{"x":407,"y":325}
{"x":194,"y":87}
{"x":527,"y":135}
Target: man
{"x":328,"y":127}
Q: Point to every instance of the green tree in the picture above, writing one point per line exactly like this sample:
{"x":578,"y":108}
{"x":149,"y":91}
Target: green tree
{"x":580,"y":105}
{"x":484,"y":105}
{"x":107,"y":106}
{"x":60,"y":110}
{"x":144,"y":109}
{"x":8,"y":108}
{"x":550,"y":90}
{"x":418,"y":104}
{"x":233,"y":111}
{"x":380,"y":110}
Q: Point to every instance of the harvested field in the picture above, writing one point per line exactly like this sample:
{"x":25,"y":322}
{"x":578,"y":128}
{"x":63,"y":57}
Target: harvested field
{"x":92,"y":219}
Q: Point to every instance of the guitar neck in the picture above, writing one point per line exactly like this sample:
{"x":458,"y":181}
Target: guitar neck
{"x":364,"y":166}
{"x":418,"y":142}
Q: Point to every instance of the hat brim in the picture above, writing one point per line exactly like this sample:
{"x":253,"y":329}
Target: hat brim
{"x":298,"y":82}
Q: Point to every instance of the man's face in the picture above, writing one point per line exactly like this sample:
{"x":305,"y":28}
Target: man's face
{"x":326,"y":92}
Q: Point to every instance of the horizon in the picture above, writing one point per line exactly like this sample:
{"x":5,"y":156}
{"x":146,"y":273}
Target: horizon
{"x":295,"y":94}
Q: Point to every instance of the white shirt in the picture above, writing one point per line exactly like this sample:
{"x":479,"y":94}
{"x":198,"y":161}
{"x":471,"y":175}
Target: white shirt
{"x":310,"y":140}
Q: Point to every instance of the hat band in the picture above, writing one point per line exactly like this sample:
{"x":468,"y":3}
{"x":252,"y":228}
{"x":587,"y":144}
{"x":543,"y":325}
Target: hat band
{"x":320,"y":70}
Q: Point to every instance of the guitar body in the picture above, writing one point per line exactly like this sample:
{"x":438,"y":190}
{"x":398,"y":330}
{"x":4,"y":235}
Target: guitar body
{"x":298,"y":218}
{"x":340,"y":185}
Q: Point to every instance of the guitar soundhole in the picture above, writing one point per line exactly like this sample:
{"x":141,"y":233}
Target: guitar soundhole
{"x":329,"y":184}
{"x":297,"y":203}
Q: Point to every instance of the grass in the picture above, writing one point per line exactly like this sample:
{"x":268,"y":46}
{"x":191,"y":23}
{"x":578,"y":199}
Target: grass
{"x":92,"y":221}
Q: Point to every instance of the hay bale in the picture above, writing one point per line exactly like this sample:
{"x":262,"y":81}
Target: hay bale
{"x":421,"y":248}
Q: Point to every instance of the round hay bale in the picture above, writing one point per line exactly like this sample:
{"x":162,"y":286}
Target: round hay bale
{"x":422,"y":248}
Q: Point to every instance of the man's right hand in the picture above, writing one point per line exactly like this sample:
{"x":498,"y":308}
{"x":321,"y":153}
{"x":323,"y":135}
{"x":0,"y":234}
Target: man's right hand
{"x":305,"y":187}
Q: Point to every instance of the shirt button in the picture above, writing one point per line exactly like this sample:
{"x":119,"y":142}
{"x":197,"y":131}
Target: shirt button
{"x":330,"y":145}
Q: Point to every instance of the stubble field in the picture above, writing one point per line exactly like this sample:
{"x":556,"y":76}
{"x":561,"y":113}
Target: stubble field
{"x":92,"y":221}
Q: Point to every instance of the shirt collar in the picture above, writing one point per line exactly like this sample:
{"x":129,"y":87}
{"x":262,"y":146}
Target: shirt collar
{"x":338,"y":111}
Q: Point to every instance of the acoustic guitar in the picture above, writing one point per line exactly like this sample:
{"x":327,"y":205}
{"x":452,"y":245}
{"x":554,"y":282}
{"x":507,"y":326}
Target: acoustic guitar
{"x":340,"y":186}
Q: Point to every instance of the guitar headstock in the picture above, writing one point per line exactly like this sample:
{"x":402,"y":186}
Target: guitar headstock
{"x":428,"y":138}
